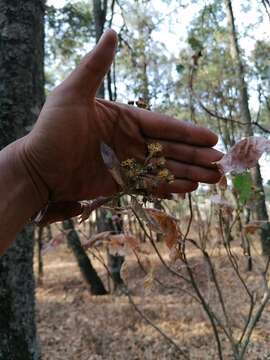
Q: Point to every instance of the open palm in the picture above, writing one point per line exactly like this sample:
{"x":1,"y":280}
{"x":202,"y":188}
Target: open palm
{"x":63,"y":149}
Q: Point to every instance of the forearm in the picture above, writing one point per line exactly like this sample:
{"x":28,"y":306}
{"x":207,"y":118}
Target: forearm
{"x":21,"y":195}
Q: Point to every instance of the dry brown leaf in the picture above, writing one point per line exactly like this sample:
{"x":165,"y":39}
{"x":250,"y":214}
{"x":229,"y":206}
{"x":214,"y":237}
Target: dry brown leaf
{"x":132,"y":242}
{"x":144,"y":216}
{"x":116,"y":245}
{"x":112,"y":163}
{"x":244,"y":155}
{"x":253,"y":226}
{"x":168,"y":225}
{"x":223,"y":183}
{"x":97,"y":239}
{"x":122,"y":244}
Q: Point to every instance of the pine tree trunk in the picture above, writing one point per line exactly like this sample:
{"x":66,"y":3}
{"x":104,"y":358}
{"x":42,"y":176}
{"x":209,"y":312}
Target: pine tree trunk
{"x":260,"y":210}
{"x":89,"y":273}
{"x":114,"y":261}
{"x":21,"y":97}
{"x":39,"y":255}
{"x":100,"y":12}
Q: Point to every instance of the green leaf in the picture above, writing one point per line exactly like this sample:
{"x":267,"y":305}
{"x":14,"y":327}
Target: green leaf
{"x":243,"y":185}
{"x":180,"y":68}
{"x":194,"y":43}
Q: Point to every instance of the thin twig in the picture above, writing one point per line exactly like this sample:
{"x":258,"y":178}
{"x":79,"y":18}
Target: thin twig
{"x":205,"y":305}
{"x":156,"y":249}
{"x":253,"y":322}
{"x":172,"y":342}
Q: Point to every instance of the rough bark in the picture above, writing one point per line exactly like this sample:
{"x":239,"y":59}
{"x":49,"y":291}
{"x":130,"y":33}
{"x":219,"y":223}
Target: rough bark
{"x":260,"y":212}
{"x":39,"y":255}
{"x":21,"y":97}
{"x":89,"y":273}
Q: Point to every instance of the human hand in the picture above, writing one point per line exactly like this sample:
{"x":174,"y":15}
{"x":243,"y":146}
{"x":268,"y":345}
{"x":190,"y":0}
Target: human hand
{"x":62,"y":152}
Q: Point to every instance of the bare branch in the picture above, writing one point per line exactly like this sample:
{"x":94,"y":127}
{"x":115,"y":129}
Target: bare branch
{"x":172,"y":342}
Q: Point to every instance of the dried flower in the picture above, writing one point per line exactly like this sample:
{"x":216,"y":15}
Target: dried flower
{"x":163,"y":174}
{"x":128,"y":163}
{"x":154,"y":148}
{"x":161,"y":161}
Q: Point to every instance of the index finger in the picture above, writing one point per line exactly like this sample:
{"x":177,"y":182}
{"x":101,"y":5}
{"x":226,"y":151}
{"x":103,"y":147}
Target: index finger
{"x":163,"y":127}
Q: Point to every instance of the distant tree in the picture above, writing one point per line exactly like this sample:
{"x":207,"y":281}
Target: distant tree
{"x":144,"y":62}
{"x":261,"y":71}
{"x":213,"y":83}
{"x":100,"y":8}
{"x":69,"y":32}
{"x":260,"y":212}
{"x":87,"y":270}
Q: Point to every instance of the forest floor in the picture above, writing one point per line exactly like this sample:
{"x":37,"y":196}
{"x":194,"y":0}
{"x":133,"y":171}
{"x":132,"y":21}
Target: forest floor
{"x":74,"y":325}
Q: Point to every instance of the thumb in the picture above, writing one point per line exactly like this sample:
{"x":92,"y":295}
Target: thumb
{"x":88,"y":76}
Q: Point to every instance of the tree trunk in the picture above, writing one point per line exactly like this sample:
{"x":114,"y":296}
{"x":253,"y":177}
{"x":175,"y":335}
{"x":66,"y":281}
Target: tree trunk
{"x":21,"y":98}
{"x":114,"y":223}
{"x":39,"y":255}
{"x":89,"y":273}
{"x":100,"y":12}
{"x":260,"y":210}
{"x":114,"y":262}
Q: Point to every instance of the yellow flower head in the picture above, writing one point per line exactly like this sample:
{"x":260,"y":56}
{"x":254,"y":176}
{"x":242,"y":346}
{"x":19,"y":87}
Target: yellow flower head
{"x":128,"y":163}
{"x":161,"y":161}
{"x":154,"y":148}
{"x":163,"y":174}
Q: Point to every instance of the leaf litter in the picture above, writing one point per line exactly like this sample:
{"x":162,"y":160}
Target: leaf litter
{"x":72,"y":324}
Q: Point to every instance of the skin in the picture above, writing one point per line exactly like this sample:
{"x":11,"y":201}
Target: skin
{"x":60,"y":158}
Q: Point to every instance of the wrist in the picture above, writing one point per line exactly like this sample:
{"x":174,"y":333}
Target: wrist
{"x":35,"y":189}
{"x":22,"y":193}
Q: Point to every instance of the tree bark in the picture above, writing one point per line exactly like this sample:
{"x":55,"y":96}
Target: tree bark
{"x":39,"y":255}
{"x":260,"y":210}
{"x":89,"y":273}
{"x":21,"y":98}
{"x":100,"y":12}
